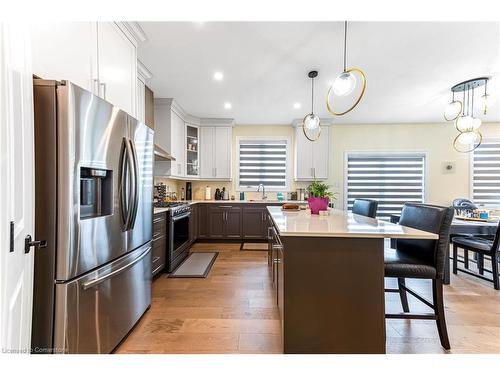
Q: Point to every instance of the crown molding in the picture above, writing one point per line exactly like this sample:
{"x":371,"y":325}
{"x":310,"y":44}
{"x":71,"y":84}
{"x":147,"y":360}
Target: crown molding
{"x":217,"y":122}
{"x":193,"y":120}
{"x":135,"y":31}
{"x":144,"y":72}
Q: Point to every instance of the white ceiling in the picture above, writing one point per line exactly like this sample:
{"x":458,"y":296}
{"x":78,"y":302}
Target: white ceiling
{"x":409,"y":67}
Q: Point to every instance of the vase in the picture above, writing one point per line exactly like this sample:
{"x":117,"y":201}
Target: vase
{"x":318,"y":204}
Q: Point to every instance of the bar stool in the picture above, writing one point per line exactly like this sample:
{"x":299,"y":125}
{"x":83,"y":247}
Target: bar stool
{"x":365,"y":207}
{"x":421,"y":259}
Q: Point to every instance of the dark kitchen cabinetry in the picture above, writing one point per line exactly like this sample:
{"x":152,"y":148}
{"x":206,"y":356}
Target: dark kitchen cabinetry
{"x":159,"y":255}
{"x":219,"y":221}
{"x":193,"y":223}
{"x":232,"y":222}
{"x":202,"y":213}
{"x":216,"y":222}
{"x":236,"y":221}
{"x":254,"y":222}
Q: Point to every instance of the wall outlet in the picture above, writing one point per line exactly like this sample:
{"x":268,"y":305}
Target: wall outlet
{"x":448,"y":167}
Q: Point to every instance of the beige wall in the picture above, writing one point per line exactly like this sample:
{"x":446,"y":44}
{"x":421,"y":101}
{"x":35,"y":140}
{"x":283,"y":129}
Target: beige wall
{"x":433,"y":139}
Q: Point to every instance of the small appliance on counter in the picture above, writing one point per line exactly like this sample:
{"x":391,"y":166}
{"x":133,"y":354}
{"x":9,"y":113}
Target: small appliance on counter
{"x":218,"y":195}
{"x":208,"y":193}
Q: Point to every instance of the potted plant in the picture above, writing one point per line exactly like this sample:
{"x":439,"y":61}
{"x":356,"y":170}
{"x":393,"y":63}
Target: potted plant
{"x":319,"y":197}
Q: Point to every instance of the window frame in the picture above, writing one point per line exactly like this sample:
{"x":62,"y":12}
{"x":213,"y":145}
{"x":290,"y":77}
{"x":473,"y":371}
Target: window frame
{"x":471,"y":171}
{"x":288,"y":159}
{"x":379,"y":153}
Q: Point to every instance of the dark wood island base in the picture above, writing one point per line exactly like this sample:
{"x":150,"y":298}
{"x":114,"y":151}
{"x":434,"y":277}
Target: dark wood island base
{"x":333,"y":295}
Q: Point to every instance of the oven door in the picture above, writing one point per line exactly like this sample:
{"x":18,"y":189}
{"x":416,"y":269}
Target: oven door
{"x":179,"y":235}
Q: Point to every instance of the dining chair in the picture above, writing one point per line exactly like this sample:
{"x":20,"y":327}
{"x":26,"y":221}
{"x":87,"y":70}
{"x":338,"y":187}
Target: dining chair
{"x":365,"y":207}
{"x":421,"y":259}
{"x":482,"y":247}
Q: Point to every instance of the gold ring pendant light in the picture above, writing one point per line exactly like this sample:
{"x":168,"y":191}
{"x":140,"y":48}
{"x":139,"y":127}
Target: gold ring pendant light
{"x":346,"y":73}
{"x":311,"y":123}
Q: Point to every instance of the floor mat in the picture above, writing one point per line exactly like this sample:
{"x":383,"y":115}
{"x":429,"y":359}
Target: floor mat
{"x":195,"y":265}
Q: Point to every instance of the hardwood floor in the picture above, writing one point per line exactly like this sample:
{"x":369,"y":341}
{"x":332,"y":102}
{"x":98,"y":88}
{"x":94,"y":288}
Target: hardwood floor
{"x":233,"y":311}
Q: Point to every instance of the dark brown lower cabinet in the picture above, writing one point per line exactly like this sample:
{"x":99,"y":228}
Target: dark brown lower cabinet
{"x":232,"y":220}
{"x":254,"y":223}
{"x":158,"y":254}
{"x":216,"y":222}
{"x":202,"y":213}
{"x":193,"y":223}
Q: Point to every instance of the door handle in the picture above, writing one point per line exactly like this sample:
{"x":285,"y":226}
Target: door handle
{"x":99,"y":280}
{"x":133,"y":216}
{"x":126,"y":166}
{"x":215,"y":172}
{"x":28,"y":243}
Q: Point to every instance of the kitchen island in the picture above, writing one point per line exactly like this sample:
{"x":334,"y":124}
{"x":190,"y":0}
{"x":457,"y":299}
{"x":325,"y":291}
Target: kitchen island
{"x":328,"y":273}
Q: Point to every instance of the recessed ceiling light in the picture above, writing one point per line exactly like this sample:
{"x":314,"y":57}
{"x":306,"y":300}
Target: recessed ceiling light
{"x":218,"y":76}
{"x":227,"y":105}
{"x":296,"y":105}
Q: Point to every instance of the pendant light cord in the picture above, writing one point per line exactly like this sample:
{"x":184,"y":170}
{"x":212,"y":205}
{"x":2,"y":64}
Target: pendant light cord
{"x":345,"y":44}
{"x":312,"y":96}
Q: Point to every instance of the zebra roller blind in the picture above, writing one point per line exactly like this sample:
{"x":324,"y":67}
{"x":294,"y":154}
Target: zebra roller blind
{"x":392,"y":180}
{"x":262,"y":162}
{"x":486,"y":174}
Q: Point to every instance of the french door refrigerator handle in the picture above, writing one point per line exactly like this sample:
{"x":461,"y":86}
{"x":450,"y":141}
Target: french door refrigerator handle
{"x":101,"y":279}
{"x":124,"y":209}
{"x":135,"y":168}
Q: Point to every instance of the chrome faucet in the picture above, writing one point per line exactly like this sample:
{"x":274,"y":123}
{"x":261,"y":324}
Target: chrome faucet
{"x":264,"y":196}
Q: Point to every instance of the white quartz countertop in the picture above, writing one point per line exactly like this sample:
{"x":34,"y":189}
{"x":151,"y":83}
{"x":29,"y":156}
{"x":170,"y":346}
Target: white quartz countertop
{"x":257,"y":201}
{"x":157,"y":210}
{"x":340,"y":224}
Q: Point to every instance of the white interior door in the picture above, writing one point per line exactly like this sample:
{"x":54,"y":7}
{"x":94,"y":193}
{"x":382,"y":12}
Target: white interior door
{"x":16,"y":187}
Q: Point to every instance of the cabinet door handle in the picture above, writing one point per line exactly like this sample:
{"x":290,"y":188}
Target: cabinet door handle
{"x":103,"y":85}
{"x":314,"y":172}
{"x":215,"y":172}
{"x":96,"y":87}
{"x":225,"y":206}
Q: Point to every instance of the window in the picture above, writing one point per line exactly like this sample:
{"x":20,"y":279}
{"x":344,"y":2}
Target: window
{"x":263,"y":161}
{"x":390,"y":179}
{"x":486,"y":174}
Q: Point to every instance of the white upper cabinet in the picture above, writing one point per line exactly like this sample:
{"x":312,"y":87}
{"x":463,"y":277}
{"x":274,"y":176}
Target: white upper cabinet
{"x":178,"y":145}
{"x":311,"y":157}
{"x":215,"y":152}
{"x":117,"y":64}
{"x":141,"y":100}
{"x":100,"y":57}
{"x":223,"y":138}
{"x":202,"y":147}
{"x":65,"y":51}
{"x":207,"y":152}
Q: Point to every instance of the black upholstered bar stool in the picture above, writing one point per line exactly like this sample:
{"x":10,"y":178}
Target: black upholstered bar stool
{"x":421,"y":259}
{"x":482,"y":247}
{"x":365,"y":207}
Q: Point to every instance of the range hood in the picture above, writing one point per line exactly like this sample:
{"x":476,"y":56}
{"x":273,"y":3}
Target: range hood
{"x":161,"y":154}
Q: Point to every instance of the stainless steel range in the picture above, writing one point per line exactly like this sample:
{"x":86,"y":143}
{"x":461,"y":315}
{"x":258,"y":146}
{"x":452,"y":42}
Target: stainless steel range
{"x":178,"y":221}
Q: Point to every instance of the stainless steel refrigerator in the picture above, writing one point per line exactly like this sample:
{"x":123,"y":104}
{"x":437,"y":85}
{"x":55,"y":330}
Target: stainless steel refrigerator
{"x":94,"y":189}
